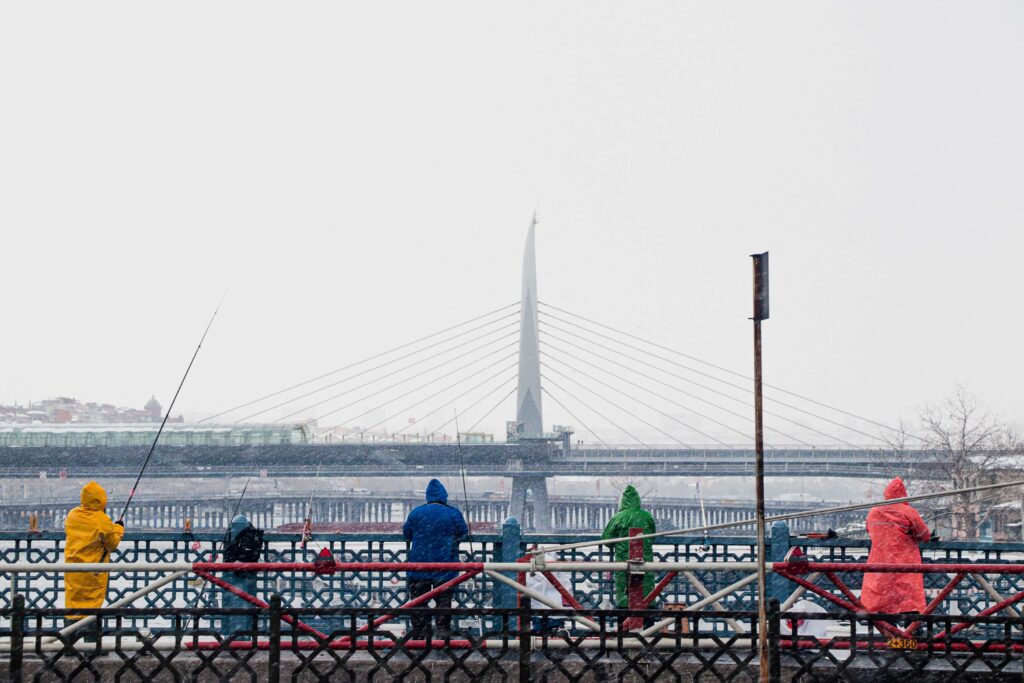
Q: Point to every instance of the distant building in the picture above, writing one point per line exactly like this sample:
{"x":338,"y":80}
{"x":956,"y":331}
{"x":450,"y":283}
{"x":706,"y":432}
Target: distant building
{"x":153,"y":409}
{"x":64,"y":410}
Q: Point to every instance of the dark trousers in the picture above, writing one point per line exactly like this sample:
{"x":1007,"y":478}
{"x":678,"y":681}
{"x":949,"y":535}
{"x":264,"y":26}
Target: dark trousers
{"x":421,"y":624}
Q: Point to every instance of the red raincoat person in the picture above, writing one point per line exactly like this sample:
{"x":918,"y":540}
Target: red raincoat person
{"x":895,"y":531}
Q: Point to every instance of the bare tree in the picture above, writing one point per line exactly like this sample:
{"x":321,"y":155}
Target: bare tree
{"x":971,"y":444}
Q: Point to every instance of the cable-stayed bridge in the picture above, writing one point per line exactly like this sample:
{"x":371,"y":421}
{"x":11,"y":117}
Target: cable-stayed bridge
{"x":638,"y":408}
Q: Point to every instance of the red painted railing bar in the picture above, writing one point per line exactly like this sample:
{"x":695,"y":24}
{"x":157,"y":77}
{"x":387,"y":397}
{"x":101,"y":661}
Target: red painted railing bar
{"x":943,"y":594}
{"x":420,"y":599}
{"x":881,"y":646}
{"x":662,"y":585}
{"x":809,"y":567}
{"x":984,"y":613}
{"x":562,"y":590}
{"x":336,"y":567}
{"x":848,"y":606}
{"x":252,"y":599}
{"x":845,"y":590}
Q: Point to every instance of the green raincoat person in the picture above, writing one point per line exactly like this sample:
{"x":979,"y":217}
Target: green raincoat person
{"x":629,"y":516}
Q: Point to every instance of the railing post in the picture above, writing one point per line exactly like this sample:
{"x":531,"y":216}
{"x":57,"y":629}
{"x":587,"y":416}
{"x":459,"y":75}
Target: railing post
{"x":525,"y":642}
{"x":778,"y":586}
{"x":17,"y":637}
{"x":774,"y":628}
{"x":511,"y":549}
{"x":274,"y":655}
{"x":635,"y":582}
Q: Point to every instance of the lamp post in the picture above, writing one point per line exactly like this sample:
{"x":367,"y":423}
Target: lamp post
{"x":760,"y":313}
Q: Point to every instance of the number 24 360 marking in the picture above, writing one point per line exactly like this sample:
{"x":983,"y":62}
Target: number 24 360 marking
{"x":902,"y":643}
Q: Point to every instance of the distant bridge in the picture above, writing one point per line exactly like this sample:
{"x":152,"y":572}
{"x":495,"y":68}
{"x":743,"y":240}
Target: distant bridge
{"x":530,"y":460}
{"x":567,"y":513}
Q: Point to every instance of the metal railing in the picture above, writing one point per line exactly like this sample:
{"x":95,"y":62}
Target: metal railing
{"x":590,"y":588}
{"x":492,"y":644}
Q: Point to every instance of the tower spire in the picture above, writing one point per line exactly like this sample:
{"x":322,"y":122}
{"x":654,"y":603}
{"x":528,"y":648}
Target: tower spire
{"x":528,"y":400}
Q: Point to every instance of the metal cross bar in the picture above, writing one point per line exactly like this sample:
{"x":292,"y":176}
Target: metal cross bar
{"x":994,"y":594}
{"x":797,"y":592}
{"x":562,"y":590}
{"x":234,"y":590}
{"x":126,"y":600}
{"x":656,"y":591}
{"x":943,"y":594}
{"x":1003,"y":604}
{"x":849,"y":606}
{"x":702,"y":589}
{"x":709,"y":600}
{"x":421,"y":599}
{"x":539,"y":597}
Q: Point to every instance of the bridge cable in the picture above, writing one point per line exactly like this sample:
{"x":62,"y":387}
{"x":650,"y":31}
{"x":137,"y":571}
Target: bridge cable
{"x":429,"y":383}
{"x":364,"y":360}
{"x":582,"y":423}
{"x":727,"y":370}
{"x":632,"y":398}
{"x":380,"y":377}
{"x":447,"y":403}
{"x":474,"y":405}
{"x":496,"y":406}
{"x":437,"y":393}
{"x":549,"y":326}
{"x":401,"y":381}
{"x":747,"y":418}
{"x":649,"y":391}
{"x":873,"y":437}
{"x":592,"y":409}
{"x":145,"y":463}
{"x":443,"y":405}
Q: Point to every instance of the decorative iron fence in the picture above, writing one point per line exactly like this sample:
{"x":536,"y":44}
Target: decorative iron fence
{"x":495,"y":645}
{"x":387,"y":589}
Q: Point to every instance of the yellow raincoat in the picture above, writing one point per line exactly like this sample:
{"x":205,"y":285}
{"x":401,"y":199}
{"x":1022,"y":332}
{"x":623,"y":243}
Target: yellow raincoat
{"x":90,"y":538}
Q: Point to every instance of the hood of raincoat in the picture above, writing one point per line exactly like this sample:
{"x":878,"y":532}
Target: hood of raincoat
{"x":239,"y":524}
{"x":94,"y":497}
{"x":630,"y":499}
{"x":895,"y":489}
{"x":436,"y":492}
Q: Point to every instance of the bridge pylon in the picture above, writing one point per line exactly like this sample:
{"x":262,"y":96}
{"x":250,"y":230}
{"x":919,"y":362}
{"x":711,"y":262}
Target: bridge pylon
{"x":529,"y":416}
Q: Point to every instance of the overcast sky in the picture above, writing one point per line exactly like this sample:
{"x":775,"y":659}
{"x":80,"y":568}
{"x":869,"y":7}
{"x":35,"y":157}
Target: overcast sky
{"x":361,"y":174}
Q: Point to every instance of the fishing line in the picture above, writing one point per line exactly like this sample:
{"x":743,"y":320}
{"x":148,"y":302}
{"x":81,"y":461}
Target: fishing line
{"x":307,"y":525}
{"x":465,"y":494}
{"x":131,"y":494}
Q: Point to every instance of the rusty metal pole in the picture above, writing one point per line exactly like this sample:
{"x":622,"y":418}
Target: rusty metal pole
{"x":760,"y":313}
{"x":635,"y":583}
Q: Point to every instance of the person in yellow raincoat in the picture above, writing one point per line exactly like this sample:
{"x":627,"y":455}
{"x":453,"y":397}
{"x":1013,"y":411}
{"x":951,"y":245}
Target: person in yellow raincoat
{"x":90,"y":537}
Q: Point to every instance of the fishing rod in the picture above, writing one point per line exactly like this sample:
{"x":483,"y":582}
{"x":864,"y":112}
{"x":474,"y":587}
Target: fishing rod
{"x":462,"y":471}
{"x":152,"y":448}
{"x":703,"y":514}
{"x":784,"y":516}
{"x":477,"y":621}
{"x":307,"y":525}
